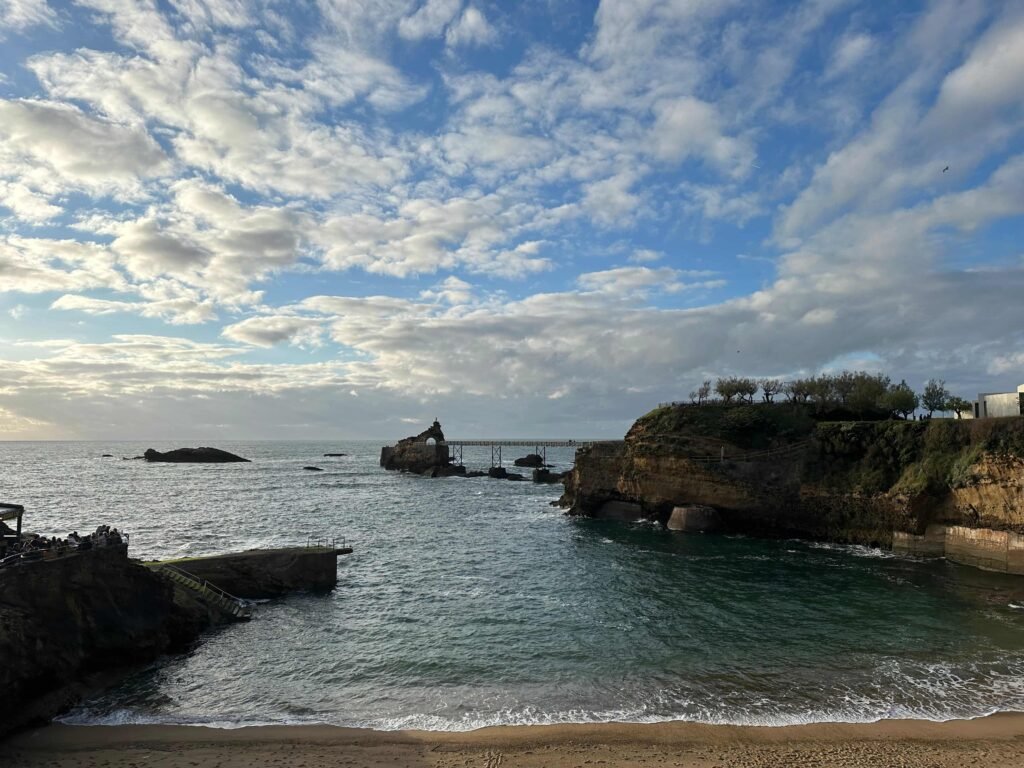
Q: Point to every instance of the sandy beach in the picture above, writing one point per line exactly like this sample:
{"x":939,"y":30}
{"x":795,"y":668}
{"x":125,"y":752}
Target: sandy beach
{"x":993,"y":741}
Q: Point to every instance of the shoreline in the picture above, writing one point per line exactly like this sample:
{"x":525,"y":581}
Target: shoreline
{"x":994,"y":740}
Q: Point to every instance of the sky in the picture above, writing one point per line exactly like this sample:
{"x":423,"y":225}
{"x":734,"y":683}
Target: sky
{"x":292,"y":219}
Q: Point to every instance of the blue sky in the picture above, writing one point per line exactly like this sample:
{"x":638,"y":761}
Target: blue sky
{"x":252,"y":218}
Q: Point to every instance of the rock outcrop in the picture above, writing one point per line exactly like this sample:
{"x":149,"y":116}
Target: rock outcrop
{"x":424,"y":454}
{"x":547,"y":476}
{"x":67,"y":623}
{"x":193,"y":456}
{"x":530,"y":460}
{"x":772,"y":471}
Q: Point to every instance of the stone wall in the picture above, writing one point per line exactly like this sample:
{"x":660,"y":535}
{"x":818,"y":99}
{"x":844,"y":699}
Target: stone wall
{"x":981,"y":547}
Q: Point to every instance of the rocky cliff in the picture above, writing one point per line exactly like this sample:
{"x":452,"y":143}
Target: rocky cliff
{"x":67,"y":623}
{"x":772,"y":471}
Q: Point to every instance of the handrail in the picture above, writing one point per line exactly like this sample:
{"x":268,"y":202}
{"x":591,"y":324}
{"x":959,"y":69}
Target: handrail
{"x":236,"y":605}
{"x":325,"y":542}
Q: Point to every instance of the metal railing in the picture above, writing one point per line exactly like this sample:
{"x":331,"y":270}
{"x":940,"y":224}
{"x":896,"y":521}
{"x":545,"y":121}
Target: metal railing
{"x":236,"y":606}
{"x":326,"y":542}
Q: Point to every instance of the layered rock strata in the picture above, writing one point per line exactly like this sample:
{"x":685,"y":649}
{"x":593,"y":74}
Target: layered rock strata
{"x":775,"y":473}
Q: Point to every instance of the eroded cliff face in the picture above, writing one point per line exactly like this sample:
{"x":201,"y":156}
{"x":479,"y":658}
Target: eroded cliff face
{"x":766,"y":472}
{"x":66,"y":623}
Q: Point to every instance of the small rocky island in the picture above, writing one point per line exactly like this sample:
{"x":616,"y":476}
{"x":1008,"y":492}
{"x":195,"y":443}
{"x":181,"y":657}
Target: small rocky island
{"x":193,"y":456}
{"x":425,"y":454}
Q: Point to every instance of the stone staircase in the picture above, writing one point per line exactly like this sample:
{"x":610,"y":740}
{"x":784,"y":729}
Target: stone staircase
{"x":210,"y":593}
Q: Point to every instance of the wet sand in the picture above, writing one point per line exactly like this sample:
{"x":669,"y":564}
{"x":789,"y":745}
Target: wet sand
{"x":991,"y":741}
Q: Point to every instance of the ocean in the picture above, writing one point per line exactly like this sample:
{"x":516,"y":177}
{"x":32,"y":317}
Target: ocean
{"x":474,"y":602}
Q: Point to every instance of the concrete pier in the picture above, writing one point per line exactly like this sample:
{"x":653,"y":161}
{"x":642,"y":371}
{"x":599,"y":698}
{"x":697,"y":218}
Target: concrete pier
{"x":265,"y":573}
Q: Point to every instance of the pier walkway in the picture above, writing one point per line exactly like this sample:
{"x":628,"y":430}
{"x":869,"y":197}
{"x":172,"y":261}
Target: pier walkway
{"x":539,"y":447}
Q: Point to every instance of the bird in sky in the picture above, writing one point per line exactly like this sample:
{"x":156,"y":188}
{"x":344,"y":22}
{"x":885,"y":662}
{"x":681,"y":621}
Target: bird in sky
{"x":945,"y":169}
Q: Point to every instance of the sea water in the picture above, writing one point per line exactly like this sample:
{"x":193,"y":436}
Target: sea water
{"x":472,"y":602}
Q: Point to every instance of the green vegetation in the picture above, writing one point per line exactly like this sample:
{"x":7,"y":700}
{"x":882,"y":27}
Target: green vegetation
{"x":892,"y":455}
{"x":747,"y":425}
{"x":909,"y":457}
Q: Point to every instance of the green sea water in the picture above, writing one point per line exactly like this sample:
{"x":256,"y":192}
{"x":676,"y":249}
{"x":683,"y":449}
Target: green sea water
{"x":474,"y":602}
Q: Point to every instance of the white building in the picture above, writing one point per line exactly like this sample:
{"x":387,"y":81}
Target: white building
{"x":993,"y":404}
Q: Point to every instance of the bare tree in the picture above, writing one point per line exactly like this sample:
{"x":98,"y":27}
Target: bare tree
{"x":704,"y":392}
{"x":769,"y":389}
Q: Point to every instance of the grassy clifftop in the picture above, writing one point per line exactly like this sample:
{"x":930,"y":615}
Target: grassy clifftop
{"x":750,"y":426}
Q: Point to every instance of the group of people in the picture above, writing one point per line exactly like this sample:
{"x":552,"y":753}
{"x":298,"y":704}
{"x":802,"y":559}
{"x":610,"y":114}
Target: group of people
{"x":35,"y":547}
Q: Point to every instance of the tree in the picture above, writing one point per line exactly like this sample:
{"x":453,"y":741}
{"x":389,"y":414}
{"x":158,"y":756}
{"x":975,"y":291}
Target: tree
{"x":746,"y":388}
{"x":726,"y":388}
{"x":843,"y":385}
{"x":901,"y":399}
{"x":935,"y":396}
{"x":704,"y":392}
{"x":959,"y":406}
{"x":798,"y":390}
{"x":770,"y":388}
{"x":823,"y":392}
{"x":867,"y":393}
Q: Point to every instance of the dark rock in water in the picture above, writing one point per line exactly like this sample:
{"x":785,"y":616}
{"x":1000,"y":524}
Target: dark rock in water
{"x":500,"y":473}
{"x":335,"y":454}
{"x":313,"y":469}
{"x":531,"y":460}
{"x":547,"y":476}
{"x":475,"y":473}
{"x":132,"y":458}
{"x":107,"y":456}
{"x":449,"y":470}
{"x":425,"y":454}
{"x":193,"y":456}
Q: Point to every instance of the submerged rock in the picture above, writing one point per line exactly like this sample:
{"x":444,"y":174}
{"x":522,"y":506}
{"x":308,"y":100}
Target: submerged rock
{"x":335,"y":455}
{"x":193,"y":456}
{"x":313,"y":469}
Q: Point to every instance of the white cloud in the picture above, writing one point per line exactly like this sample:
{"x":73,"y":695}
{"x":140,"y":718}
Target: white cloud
{"x":472,"y":28}
{"x":645,"y":256}
{"x":850,"y":52}
{"x":429,"y":20}
{"x":451,"y":290}
{"x":39,"y":265}
{"x":19,"y":15}
{"x":688,"y":127}
{"x":40,"y":140}
{"x":179,"y":311}
{"x":274,"y":329}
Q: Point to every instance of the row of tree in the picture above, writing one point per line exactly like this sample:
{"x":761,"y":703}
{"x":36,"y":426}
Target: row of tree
{"x":854,"y":391}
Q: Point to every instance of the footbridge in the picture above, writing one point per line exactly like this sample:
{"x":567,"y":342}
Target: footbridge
{"x":540,"y":447}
